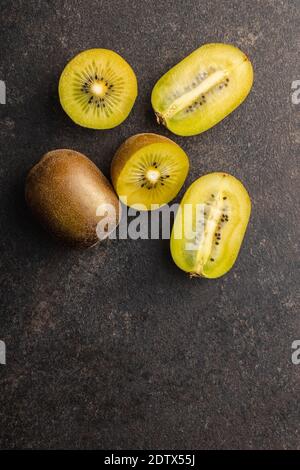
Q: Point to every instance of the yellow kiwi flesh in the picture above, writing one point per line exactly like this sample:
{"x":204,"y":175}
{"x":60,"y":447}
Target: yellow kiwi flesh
{"x":97,"y":89}
{"x":202,"y":89}
{"x":206,"y":243}
{"x":148,"y":171}
{"x":69,"y":195}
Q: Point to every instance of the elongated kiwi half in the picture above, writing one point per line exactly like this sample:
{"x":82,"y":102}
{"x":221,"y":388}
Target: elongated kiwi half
{"x":210,"y":225}
{"x":97,"y":89}
{"x":202,"y":89}
{"x":148,"y":171}
{"x":71,"y":198}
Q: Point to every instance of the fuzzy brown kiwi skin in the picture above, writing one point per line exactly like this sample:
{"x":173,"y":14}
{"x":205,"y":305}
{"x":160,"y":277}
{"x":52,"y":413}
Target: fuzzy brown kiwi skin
{"x":63,"y":191}
{"x":131,"y":146}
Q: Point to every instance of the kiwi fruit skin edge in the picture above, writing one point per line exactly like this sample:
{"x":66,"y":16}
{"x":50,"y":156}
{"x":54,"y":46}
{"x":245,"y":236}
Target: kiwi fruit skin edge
{"x":224,"y":227}
{"x":133,"y":145}
{"x":63,"y":191}
{"x":200,"y":113}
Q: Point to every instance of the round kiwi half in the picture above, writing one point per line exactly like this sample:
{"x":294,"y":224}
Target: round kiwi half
{"x":148,"y":171}
{"x":97,"y":89}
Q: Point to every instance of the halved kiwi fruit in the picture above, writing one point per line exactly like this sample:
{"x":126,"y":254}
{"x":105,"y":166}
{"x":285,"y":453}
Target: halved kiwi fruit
{"x":202,"y":89}
{"x":97,"y":89}
{"x":70,"y":197}
{"x":210,"y":225}
{"x":148,"y":169}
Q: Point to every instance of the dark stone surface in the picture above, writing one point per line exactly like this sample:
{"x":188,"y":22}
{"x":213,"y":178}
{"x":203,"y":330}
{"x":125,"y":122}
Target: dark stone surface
{"x":115,"y":347}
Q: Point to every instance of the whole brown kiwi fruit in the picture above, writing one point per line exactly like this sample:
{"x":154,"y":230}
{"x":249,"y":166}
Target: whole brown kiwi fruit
{"x":65,"y":190}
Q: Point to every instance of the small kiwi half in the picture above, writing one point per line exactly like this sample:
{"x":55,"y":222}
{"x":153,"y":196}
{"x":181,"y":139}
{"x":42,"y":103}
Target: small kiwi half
{"x":97,"y":89}
{"x":148,"y":171}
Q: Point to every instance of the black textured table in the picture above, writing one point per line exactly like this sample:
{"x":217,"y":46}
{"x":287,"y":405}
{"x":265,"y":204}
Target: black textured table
{"x":115,"y":347}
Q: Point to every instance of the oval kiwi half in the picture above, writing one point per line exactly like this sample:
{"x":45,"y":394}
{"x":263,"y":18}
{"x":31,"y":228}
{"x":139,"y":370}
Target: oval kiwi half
{"x":97,"y":89}
{"x":148,"y":171}
{"x":210,"y":225}
{"x":202,"y":89}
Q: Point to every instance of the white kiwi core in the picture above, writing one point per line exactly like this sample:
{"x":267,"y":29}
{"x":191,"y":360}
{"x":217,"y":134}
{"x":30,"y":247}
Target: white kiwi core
{"x":152,"y":175}
{"x":98,"y":89}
